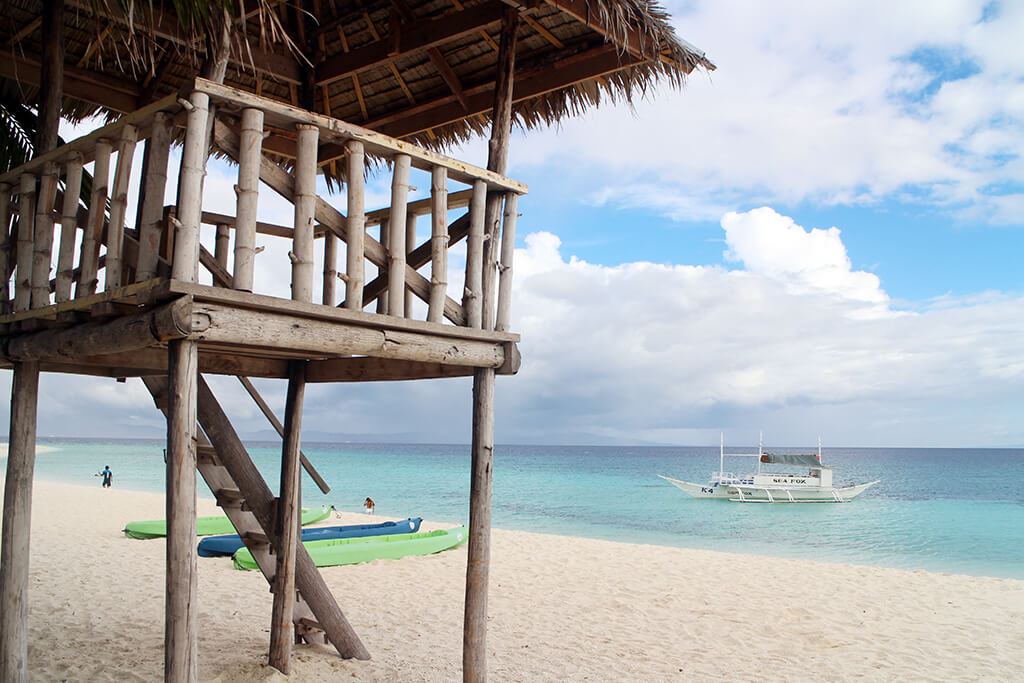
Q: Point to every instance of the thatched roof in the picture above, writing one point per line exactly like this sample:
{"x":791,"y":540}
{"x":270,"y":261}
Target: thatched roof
{"x":421,"y":70}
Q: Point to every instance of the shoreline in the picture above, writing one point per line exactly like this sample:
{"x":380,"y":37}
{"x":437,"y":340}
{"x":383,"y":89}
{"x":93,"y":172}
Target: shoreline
{"x":560,"y":608}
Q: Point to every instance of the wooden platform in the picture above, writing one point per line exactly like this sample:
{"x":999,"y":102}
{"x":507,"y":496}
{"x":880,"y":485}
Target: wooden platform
{"x":243,"y":334}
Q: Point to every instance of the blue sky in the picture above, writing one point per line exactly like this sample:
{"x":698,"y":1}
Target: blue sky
{"x":820,"y":238}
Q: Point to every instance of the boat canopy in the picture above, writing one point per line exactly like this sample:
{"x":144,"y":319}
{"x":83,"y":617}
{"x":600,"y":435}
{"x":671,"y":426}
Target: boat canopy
{"x":808,"y":460}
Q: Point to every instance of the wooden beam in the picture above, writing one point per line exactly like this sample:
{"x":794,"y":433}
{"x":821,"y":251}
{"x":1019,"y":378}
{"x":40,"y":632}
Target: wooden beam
{"x":153,"y":360}
{"x":369,"y":369}
{"x":99,"y":89}
{"x":414,"y":36}
{"x":17,"y":524}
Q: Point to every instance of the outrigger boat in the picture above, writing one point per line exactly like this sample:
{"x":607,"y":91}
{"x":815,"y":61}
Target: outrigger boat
{"x":773,"y":487}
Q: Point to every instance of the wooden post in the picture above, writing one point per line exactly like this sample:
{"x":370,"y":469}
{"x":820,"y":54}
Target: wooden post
{"x":385,"y":242}
{"x":68,"y":228}
{"x":396,"y":232}
{"x":5,"y":246}
{"x":185,"y":265}
{"x":151,"y":214}
{"x":89,"y":259}
{"x":438,"y":243}
{"x":26,"y":214}
{"x":355,"y":230}
{"x":471,"y":299}
{"x":474,"y":635}
{"x":508,"y":246}
{"x":119,"y":207}
{"x":281,"y":628}
{"x":305,"y":210}
{"x":181,"y":611}
{"x":250,"y":154}
{"x":17,"y":521}
{"x":42,"y":245}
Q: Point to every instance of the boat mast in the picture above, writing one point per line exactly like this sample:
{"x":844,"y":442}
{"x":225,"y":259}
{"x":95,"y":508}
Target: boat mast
{"x":721,"y":454}
{"x":760,"y":450}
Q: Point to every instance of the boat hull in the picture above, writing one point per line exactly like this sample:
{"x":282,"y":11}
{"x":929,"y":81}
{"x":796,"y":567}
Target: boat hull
{"x":356,"y":550}
{"x":228,"y":544}
{"x":771,"y":494}
{"x":207,"y":526}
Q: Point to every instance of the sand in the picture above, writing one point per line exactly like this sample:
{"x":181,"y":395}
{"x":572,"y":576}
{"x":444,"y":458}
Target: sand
{"x":561,"y":609}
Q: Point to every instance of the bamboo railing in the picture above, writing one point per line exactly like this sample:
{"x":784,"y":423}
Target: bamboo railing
{"x":101,"y":242}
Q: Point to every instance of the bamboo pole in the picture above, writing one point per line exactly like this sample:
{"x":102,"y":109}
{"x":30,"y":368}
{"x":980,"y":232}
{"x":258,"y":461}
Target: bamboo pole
{"x":305,"y":210}
{"x":281,"y":627}
{"x":17,"y":524}
{"x":26,"y":214}
{"x":471,"y":299}
{"x":89,"y":259}
{"x":355,"y":229}
{"x":119,"y":207}
{"x":185,"y":265}
{"x":221,"y":245}
{"x":438,"y":244}
{"x":5,"y":246}
{"x":396,"y":247}
{"x":330,"y":288}
{"x":508,"y":246}
{"x":385,"y":243}
{"x":68,"y":228}
{"x":250,"y":154}
{"x":410,"y":244}
{"x":474,"y":634}
{"x":42,"y":243}
{"x":181,"y":610}
{"x":151,"y":214}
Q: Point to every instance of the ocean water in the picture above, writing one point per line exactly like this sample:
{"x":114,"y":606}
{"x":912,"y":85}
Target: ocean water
{"x":946,"y":510}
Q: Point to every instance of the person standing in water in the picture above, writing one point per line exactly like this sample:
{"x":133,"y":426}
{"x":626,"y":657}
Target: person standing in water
{"x":368,"y":505}
{"x":108,"y":476}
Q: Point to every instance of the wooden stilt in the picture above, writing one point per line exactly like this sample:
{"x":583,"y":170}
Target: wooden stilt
{"x":151,"y":213}
{"x":26,"y":216}
{"x":181,"y":610}
{"x":119,"y":207}
{"x":282,"y":633}
{"x":396,"y":231}
{"x":68,"y":228}
{"x":17,"y":521}
{"x":471,"y":299}
{"x":474,"y":653}
{"x":221,"y":244}
{"x":508,"y":245}
{"x":355,"y":229}
{"x":89,"y":259}
{"x":438,"y":244}
{"x":410,"y":244}
{"x":305,"y":209}
{"x":42,"y":241}
{"x":250,"y":153}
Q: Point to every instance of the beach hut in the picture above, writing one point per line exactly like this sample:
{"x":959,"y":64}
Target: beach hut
{"x":287,"y":91}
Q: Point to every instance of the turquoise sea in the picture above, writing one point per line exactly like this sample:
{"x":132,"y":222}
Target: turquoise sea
{"x":946,"y":510}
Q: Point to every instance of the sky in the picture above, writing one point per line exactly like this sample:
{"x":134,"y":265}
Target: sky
{"x":821,"y":238}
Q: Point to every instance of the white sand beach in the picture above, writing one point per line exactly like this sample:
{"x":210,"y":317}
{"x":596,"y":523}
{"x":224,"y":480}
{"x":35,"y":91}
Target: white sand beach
{"x":561,"y":609}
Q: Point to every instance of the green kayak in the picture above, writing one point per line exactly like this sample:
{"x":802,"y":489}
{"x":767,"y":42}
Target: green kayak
{"x":207,"y":526}
{"x":365,"y":549}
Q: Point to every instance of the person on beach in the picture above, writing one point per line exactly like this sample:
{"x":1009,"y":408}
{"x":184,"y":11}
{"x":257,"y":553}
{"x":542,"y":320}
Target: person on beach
{"x":368,"y":505}
{"x":108,"y":476}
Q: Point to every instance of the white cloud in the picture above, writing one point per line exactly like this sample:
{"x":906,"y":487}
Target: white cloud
{"x":826,"y":103}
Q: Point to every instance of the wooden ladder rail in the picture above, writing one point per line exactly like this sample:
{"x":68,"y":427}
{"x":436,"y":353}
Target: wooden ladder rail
{"x":236,"y":471}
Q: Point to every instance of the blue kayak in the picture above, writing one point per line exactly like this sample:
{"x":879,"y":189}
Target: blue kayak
{"x":215,"y":546}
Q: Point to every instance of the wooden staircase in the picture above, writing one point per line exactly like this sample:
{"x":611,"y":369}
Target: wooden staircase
{"x":242,"y":492}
